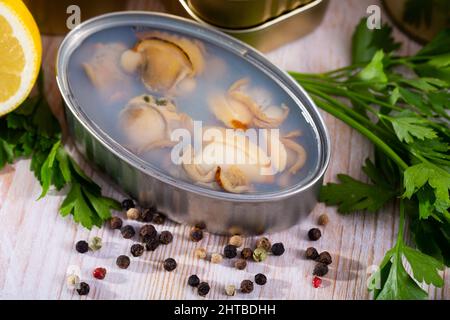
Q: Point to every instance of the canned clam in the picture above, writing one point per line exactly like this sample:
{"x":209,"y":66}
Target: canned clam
{"x":192,"y":120}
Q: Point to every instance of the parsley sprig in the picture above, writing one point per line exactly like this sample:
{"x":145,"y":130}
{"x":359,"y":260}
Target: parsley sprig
{"x":400,"y":103}
{"x":32,"y":131}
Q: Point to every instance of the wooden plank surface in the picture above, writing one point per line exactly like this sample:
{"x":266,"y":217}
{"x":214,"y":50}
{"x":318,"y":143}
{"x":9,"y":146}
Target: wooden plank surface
{"x":37,"y":245}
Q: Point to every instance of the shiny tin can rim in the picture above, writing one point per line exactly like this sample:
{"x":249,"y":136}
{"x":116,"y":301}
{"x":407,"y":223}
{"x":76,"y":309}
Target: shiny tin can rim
{"x":262,"y":26}
{"x":141,"y":18}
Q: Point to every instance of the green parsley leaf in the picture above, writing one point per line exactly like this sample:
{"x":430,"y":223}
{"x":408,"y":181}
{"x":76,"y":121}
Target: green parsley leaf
{"x":352,"y":195}
{"x":399,"y":285}
{"x":47,"y":169}
{"x":424,"y":267}
{"x":432,"y":238}
{"x":416,"y":176}
{"x":6,"y":153}
{"x":366,"y":42}
{"x":408,"y":127}
{"x":439,"y":45}
{"x":374,"y":71}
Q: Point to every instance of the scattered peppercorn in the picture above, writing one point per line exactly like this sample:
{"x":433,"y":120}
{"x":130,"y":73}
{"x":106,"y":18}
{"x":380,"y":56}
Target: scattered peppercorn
{"x":246,"y":286}
{"x":200,"y":225}
{"x":99,"y":273}
{"x":240,"y":264}
{"x":324,"y":257}
{"x":73,"y":281}
{"x":320,"y":269}
{"x":263,"y":243}
{"x":123,"y":262}
{"x":203,"y":289}
{"x":152,"y":244}
{"x":127,"y":204}
{"x":147,"y":215}
{"x":236,"y":240}
{"x":196,"y":234}
{"x":82,"y":246}
{"x":260,"y":279}
{"x":311,"y":253}
{"x":259,"y":254}
{"x":137,"y":250}
{"x":159,"y":218}
{"x":200,"y":253}
{"x":323,"y":220}
{"x":193,"y":281}
{"x":127,"y":232}
{"x":230,"y":290}
{"x":133,"y":214}
{"x":230,"y":251}
{"x":170,"y":264}
{"x":216,"y":258}
{"x":115,"y":223}
{"x":165,"y":237}
{"x":277,"y":249}
{"x":316,"y":282}
{"x":95,"y":243}
{"x":147,"y":232}
{"x":314,"y":234}
{"x":246,"y":253}
{"x":83,"y":290}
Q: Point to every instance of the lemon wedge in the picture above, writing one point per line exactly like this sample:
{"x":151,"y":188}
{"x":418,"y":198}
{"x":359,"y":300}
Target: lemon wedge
{"x":20,"y":54}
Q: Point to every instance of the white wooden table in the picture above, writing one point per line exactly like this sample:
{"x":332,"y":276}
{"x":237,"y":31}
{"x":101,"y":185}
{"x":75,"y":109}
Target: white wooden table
{"x":37,"y":244}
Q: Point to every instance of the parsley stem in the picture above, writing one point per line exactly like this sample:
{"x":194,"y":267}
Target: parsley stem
{"x":364,"y":131}
{"x":401,"y":223}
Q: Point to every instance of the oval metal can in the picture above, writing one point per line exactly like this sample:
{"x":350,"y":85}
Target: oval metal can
{"x":185,"y":202}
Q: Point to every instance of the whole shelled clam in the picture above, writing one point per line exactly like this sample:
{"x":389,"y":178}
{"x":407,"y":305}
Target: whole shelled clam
{"x":148,"y":122}
{"x":243,"y":107}
{"x":234,"y":161}
{"x":166,"y":62}
{"x":104,"y":72}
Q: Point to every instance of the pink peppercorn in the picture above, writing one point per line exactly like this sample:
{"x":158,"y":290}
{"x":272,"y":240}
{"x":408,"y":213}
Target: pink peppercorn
{"x":316,"y":282}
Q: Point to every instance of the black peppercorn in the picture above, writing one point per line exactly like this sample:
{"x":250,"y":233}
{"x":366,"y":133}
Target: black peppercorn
{"x":200,"y":225}
{"x":193,"y":281}
{"x":246,"y":286}
{"x":165,"y":237}
{"x":170,"y":264}
{"x":146,"y":215}
{"x":314,"y":234}
{"x":137,"y":250}
{"x":203,"y":289}
{"x":152,"y":244}
{"x":84,"y":288}
{"x":196,"y":234}
{"x":320,"y":269}
{"x":277,"y":249}
{"x":260,"y":279}
{"x":127,"y":232}
{"x":230,"y":251}
{"x":159,"y":218}
{"x":246,"y":253}
{"x":324,"y":257}
{"x":115,"y":223}
{"x":127,"y":204}
{"x":311,"y":253}
{"x":147,"y":232}
{"x":123,"y":262}
{"x":82,"y":246}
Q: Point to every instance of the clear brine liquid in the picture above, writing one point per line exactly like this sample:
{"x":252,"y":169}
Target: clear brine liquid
{"x":221,"y":70}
